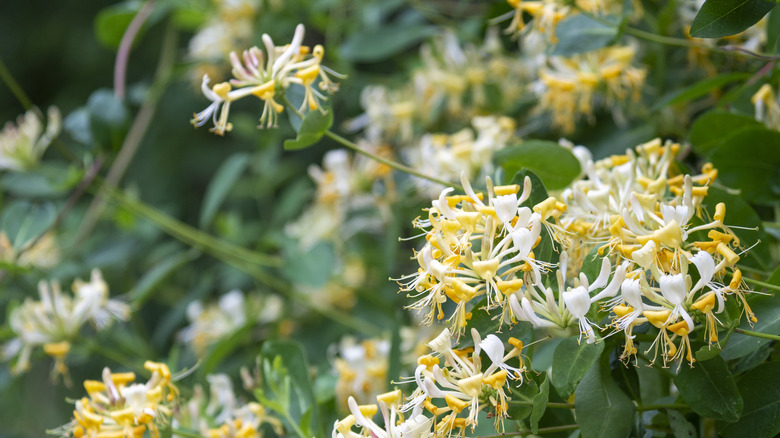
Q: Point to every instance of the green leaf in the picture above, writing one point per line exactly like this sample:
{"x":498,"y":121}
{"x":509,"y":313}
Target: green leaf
{"x":720,"y":18}
{"x":767,"y":311}
{"x":710,"y":390}
{"x":540,"y":403}
{"x":760,"y":389}
{"x":488,"y":323}
{"x":681,"y":428}
{"x":312,"y":267}
{"x":525,"y":394}
{"x":538,"y":190}
{"x":22,"y":221}
{"x":111,"y":23}
{"x":749,"y":160}
{"x":294,"y":360}
{"x":224,"y":179}
{"x":571,"y":361}
{"x":709,"y":130}
{"x":313,"y":127}
{"x":218,"y":352}
{"x":554,"y":164}
{"x":773,"y":31}
{"x":602,"y":409}
{"x":699,"y":89}
{"x":580,"y":33}
{"x":376,"y":44}
{"x":591,"y":265}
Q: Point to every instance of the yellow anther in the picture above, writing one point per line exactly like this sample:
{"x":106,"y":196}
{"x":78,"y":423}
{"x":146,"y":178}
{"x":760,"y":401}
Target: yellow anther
{"x":121,"y":379}
{"x":680,"y":328}
{"x":428,"y":360}
{"x":368,"y":410}
{"x":497,"y":380}
{"x":657,"y":317}
{"x":617,"y":160}
{"x":308,"y":74}
{"x":699,"y":191}
{"x":93,"y":386}
{"x":456,"y":404}
{"x":517,"y":343}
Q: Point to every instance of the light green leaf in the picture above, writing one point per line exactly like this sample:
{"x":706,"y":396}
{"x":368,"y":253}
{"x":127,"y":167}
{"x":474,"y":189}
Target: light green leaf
{"x":760,"y":389}
{"x":376,"y":44}
{"x":571,"y":361}
{"x":312,"y":267}
{"x":699,"y":89}
{"x":313,"y":127}
{"x":556,"y":165}
{"x":224,"y":179}
{"x":709,"y":130}
{"x":720,"y":18}
{"x":540,"y":403}
{"x":749,"y":160}
{"x":710,"y":390}
{"x":602,"y":409}
{"x":522,"y":403}
{"x":580,"y":33}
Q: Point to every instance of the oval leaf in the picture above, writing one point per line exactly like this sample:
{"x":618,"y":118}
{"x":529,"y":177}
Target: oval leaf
{"x":710,"y":390}
{"x":749,"y":160}
{"x":760,"y":388}
{"x":580,"y":33}
{"x":313,"y":127}
{"x":571,"y":361}
{"x":720,"y":18}
{"x":555,"y":165}
{"x":603,"y":410}
{"x":380,"y":43}
{"x":709,"y":130}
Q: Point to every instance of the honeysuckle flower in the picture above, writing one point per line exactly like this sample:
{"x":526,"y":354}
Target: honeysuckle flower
{"x":361,"y":368}
{"x":116,"y":406}
{"x":416,"y":426}
{"x":263,"y":74}
{"x":22,"y":145}
{"x":41,"y":253}
{"x":767,"y":107}
{"x":56,"y":320}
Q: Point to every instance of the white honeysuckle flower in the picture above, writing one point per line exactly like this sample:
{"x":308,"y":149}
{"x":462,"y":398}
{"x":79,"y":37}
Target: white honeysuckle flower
{"x":22,"y":145}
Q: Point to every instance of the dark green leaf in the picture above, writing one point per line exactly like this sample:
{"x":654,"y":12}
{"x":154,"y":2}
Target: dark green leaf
{"x":602,"y":409}
{"x":749,"y":160}
{"x":580,"y":33}
{"x":571,"y":361}
{"x":556,"y":165}
{"x":376,"y":44}
{"x":773,"y":31}
{"x":699,"y":89}
{"x":488,"y":323}
{"x":538,"y":192}
{"x":760,"y":388}
{"x":150,"y":280}
{"x":681,"y":428}
{"x":767,"y":311}
{"x":23,"y":221}
{"x":313,"y":127}
{"x":111,"y":23}
{"x":221,"y":350}
{"x":710,"y":390}
{"x":224,"y":179}
{"x":720,"y":18}
{"x":540,"y":403}
{"x":591,"y":265}
{"x":522,"y":403}
{"x":709,"y":130}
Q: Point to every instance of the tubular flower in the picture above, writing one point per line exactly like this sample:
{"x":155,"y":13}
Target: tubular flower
{"x":22,"y":145}
{"x":118,"y":407}
{"x":263,"y":74}
{"x":56,"y":320}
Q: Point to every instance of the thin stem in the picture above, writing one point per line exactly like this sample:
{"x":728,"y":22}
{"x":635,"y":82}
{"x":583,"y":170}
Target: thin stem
{"x":395,"y":165}
{"x":549,"y":405}
{"x":642,"y":408}
{"x":136,"y":133}
{"x":17,"y":91}
{"x":761,"y":283}
{"x":540,"y":431}
{"x":185,"y":433}
{"x":757,"y":334}
{"x":123,"y":54}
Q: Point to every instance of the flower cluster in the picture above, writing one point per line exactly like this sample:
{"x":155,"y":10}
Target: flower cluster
{"x":264,"y":73}
{"x":477,"y":245}
{"x":221,"y":415}
{"x":22,"y":145}
{"x":41,"y":252}
{"x":116,"y":406}
{"x":452,"y":385}
{"x":361,"y":368}
{"x":56,"y":320}
{"x":767,"y":107}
